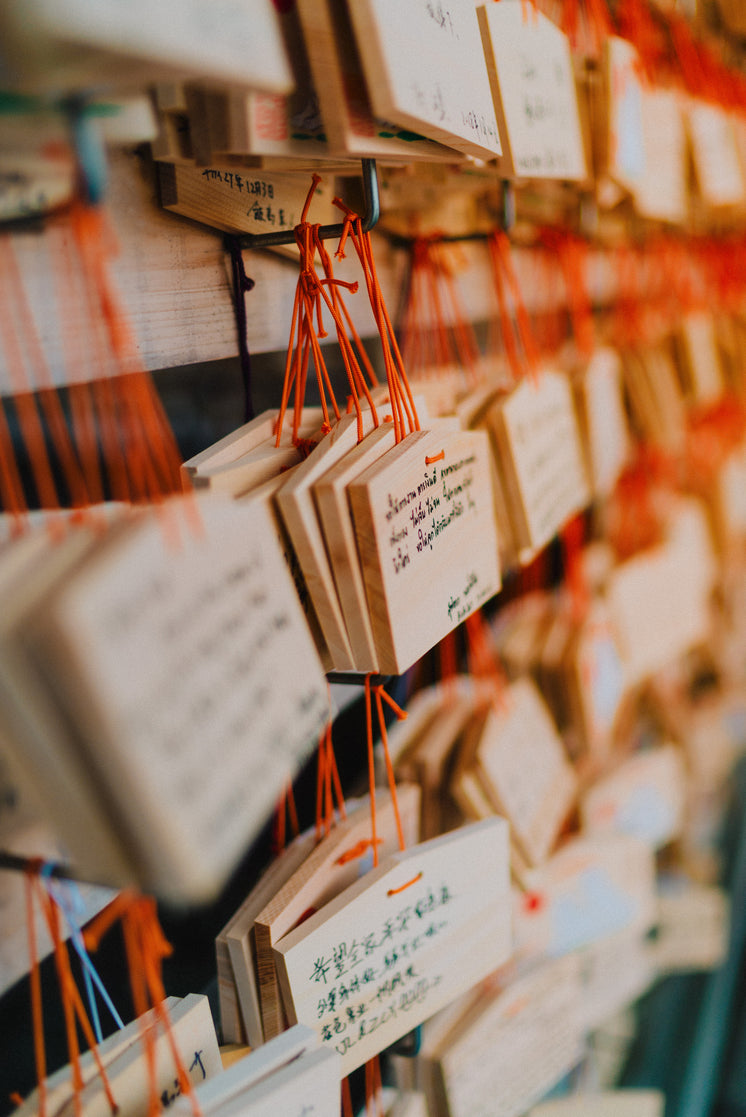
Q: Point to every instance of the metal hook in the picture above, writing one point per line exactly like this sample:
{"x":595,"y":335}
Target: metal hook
{"x":326,"y":232}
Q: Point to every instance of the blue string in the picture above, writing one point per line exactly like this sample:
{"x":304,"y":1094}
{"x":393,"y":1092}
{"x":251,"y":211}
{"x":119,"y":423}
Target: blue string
{"x":69,"y":900}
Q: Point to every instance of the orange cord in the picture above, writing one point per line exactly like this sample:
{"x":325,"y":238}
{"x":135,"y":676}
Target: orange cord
{"x":145,"y":947}
{"x":73,"y":1005}
{"x":403,"y":887}
{"x":36,"y":1000}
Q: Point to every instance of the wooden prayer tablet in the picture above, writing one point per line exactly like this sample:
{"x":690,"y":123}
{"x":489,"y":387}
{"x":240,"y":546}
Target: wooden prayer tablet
{"x":307,"y":1085}
{"x":422,"y":708}
{"x":295,"y":503}
{"x":430,"y":759}
{"x":693,"y":928}
{"x":594,"y":680}
{"x":511,"y":1049}
{"x":729,"y":503}
{"x":699,"y":359}
{"x":58,"y":1086}
{"x":265,"y":495}
{"x":251,"y":469}
{"x":617,"y":970}
{"x":718,"y":169}
{"x":326,"y":872}
{"x":349,"y":123}
{"x":239,"y":199}
{"x":656,"y":396}
{"x":603,"y":420}
{"x":250,"y":436}
{"x":533,"y":88}
{"x":591,"y":888}
{"x":62,"y":780}
{"x":622,"y":132}
{"x":464,"y":784}
{"x":330,"y":494}
{"x":645,"y":796}
{"x":427,"y":539}
{"x":424,"y":68}
{"x":270,"y":125}
{"x":219,"y":1091}
{"x":194,"y":1036}
{"x":539,"y":457}
{"x":238,"y":987}
{"x":659,"y":599}
{"x":606,"y":1103}
{"x":523,"y":768}
{"x":519,"y":630}
{"x":222,"y":41}
{"x":401,"y":942}
{"x":146,"y":638}
{"x":409,"y":1103}
{"x":661,"y":192}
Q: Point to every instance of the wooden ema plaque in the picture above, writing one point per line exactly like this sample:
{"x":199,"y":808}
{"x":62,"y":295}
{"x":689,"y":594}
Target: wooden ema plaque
{"x":246,"y":438}
{"x":659,"y":600}
{"x":244,"y":1073}
{"x":715,"y":155}
{"x":247,"y":457}
{"x":513,"y":1047}
{"x":424,"y":67}
{"x":603,"y":421}
{"x":429,"y":759}
{"x":617,"y":970}
{"x":661,"y":191}
{"x":427,"y":538}
{"x":195,"y":1040}
{"x":292,"y":1076}
{"x":330,"y":494}
{"x":524,"y":770}
{"x":307,"y":1085}
{"x":326,"y":872}
{"x":349,"y":122}
{"x":594,"y":680}
{"x":693,"y":929}
{"x":53,"y":46}
{"x":606,"y":1103}
{"x":540,"y":458}
{"x":699,"y":359}
{"x":405,"y":940}
{"x":645,"y":796}
{"x":58,"y":1086}
{"x":148,"y":637}
{"x":533,"y":88}
{"x":593,"y":886}
{"x":622,"y":135}
{"x":240,"y":200}
{"x":295,"y":501}
{"x":238,"y":986}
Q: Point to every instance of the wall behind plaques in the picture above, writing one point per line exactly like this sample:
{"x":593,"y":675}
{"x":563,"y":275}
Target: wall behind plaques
{"x":173,"y":275}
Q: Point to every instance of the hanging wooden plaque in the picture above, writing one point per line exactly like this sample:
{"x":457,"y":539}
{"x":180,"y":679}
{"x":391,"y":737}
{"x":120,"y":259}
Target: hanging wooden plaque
{"x":146,"y":641}
{"x":427,"y":538}
{"x":349,"y":122}
{"x":378,"y":960}
{"x":424,"y":67}
{"x":533,"y":87}
{"x":540,"y":458}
